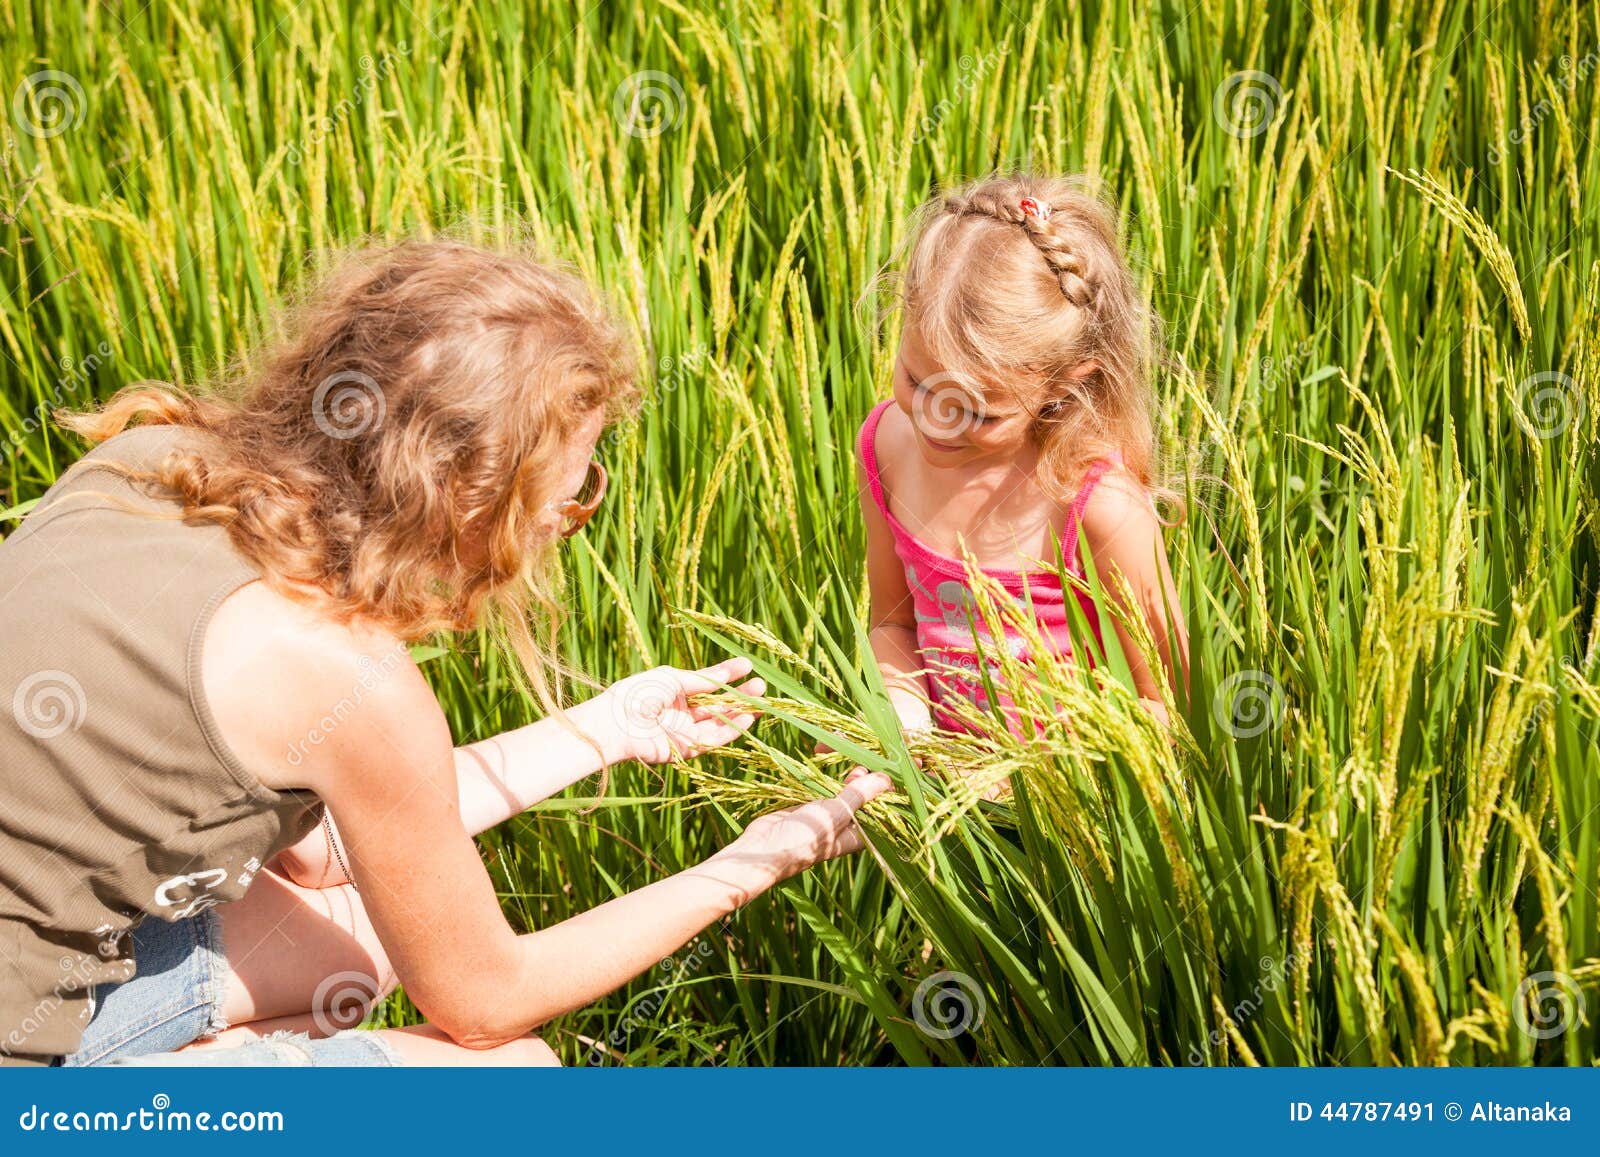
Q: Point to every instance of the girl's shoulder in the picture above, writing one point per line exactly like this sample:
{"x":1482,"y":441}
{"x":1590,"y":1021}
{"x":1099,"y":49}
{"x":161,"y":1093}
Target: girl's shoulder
{"x":884,"y":438}
{"x":885,"y":430}
{"x":1118,"y":505}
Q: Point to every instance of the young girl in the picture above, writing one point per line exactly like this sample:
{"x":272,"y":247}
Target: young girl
{"x":1021,"y":411}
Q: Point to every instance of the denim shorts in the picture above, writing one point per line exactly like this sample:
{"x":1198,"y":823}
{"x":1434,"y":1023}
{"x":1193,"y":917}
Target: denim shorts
{"x":175,"y":998}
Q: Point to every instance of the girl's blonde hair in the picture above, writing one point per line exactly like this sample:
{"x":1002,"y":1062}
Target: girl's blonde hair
{"x":1041,"y":305}
{"x":396,"y":448}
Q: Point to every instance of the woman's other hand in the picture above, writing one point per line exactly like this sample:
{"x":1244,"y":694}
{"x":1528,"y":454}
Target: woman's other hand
{"x":648,"y":716}
{"x":785,"y":843}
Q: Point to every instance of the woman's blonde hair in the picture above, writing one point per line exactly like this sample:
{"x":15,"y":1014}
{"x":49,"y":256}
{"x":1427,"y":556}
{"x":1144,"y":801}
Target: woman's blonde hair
{"x":1040,"y":304}
{"x":397,"y":447}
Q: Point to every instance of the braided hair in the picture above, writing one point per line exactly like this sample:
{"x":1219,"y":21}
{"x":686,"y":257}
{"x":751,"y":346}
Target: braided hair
{"x":1020,"y":283}
{"x":1034,"y":217}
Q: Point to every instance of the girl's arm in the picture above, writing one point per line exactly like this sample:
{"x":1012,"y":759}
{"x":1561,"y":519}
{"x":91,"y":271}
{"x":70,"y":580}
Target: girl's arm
{"x":1124,"y":537}
{"x":892,"y":622}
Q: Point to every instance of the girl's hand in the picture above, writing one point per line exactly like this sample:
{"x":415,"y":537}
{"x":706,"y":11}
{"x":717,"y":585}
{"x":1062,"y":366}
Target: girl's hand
{"x":1156,"y":708}
{"x":648,"y":716}
{"x":785,"y":843}
{"x":916,"y":718}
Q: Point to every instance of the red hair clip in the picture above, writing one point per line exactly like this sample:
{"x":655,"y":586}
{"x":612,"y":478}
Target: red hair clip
{"x":1032,"y":208}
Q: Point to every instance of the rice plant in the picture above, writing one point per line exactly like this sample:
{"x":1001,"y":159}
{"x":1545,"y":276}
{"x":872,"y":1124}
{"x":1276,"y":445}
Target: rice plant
{"x":1372,"y":835}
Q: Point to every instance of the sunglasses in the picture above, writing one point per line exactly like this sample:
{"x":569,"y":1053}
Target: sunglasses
{"x":576,"y":512}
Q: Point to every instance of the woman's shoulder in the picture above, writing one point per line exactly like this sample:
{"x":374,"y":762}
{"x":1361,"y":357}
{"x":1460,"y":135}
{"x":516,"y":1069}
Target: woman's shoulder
{"x":139,"y":449}
{"x":143,"y":447}
{"x":290,"y":688}
{"x":104,"y":471}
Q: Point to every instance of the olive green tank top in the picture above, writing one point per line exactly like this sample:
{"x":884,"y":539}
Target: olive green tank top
{"x":119,"y":800}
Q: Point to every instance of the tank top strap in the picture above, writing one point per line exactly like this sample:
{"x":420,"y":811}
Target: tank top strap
{"x":867,"y":448}
{"x":1098,"y":469}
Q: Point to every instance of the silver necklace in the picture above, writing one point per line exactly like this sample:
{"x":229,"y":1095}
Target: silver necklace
{"x":333,"y":846}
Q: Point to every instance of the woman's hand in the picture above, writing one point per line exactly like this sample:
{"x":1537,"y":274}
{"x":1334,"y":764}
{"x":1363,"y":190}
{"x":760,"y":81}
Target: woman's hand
{"x":648,"y":716}
{"x":785,"y":843}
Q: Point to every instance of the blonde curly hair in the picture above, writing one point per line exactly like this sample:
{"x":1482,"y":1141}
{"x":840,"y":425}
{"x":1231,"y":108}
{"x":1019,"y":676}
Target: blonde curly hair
{"x":395,"y":450}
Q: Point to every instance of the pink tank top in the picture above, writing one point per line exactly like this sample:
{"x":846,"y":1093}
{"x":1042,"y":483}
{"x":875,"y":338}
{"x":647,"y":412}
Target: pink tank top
{"x":942,"y":597}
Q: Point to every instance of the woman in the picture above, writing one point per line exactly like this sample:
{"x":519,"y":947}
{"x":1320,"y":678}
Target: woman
{"x":227,"y":795}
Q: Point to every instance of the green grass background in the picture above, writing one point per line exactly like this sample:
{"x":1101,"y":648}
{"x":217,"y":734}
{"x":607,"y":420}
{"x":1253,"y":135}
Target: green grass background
{"x":1376,"y":840}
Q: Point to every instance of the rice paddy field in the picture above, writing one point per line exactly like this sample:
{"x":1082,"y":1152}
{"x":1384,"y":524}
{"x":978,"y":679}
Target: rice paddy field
{"x":1373,"y":230}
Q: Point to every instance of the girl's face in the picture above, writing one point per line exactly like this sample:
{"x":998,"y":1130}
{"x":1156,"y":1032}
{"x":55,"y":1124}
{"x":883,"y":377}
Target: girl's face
{"x":957,"y":422}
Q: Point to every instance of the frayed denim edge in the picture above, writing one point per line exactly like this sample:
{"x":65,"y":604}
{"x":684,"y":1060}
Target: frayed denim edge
{"x":218,"y":970}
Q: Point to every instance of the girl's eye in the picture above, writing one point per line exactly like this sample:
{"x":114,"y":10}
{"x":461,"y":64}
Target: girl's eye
{"x":967,"y":415}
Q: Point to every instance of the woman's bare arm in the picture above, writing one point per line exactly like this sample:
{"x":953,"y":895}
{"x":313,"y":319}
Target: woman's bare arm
{"x":436,"y":913}
{"x":506,"y":774}
{"x":648,"y":717}
{"x":388,"y":773}
{"x":497,"y":778}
